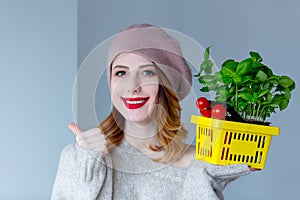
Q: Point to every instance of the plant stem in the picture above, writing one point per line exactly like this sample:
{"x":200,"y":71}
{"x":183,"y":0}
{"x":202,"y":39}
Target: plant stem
{"x":262,"y":112}
{"x":257,"y":112}
{"x":253,"y":111}
{"x":236,"y":97}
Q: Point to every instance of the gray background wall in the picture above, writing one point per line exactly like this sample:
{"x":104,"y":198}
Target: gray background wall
{"x":233,"y":28}
{"x":38,"y":51}
{"x":38,"y":59}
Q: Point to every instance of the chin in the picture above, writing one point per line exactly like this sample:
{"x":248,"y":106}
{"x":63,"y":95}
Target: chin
{"x":139,"y":119}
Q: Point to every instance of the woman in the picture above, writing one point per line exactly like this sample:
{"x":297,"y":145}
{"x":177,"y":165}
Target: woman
{"x":138,"y":152}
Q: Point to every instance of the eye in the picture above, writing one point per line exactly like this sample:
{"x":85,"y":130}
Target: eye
{"x":120,"y":73}
{"x":148,"y":73}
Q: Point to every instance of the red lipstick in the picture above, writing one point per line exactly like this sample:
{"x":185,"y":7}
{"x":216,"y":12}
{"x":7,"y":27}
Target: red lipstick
{"x":134,"y":103}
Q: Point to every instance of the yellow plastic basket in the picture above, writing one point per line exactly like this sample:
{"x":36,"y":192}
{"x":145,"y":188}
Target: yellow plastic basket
{"x":225,"y":142}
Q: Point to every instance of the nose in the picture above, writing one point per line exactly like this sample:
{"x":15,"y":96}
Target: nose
{"x":134,"y":85}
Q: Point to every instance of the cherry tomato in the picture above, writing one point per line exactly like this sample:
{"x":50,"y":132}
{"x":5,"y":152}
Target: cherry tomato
{"x":202,"y":103}
{"x":218,"y":111}
{"x":206,"y":112}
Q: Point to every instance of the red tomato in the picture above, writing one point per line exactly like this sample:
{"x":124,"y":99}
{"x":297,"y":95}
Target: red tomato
{"x":206,"y":112}
{"x":202,"y":103}
{"x":218,"y":111}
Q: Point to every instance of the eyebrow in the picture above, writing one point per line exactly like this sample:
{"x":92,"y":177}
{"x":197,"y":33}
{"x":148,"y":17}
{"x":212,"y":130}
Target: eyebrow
{"x":126,"y":67}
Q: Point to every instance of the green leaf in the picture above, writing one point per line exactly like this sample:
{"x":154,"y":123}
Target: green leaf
{"x":231,"y":90}
{"x":227,"y":72}
{"x":266,"y":86}
{"x":246,"y":79}
{"x":231,"y":103}
{"x":261,"y":76}
{"x":218,"y":76}
{"x":285,"y":81}
{"x":257,"y":65}
{"x":274,"y":105}
{"x":256,"y":57}
{"x":208,"y":69}
{"x":212,"y":85}
{"x":201,"y":81}
{"x":255,"y":95}
{"x":292,"y":87}
{"x":227,"y":80}
{"x":237,"y":78}
{"x":230,"y":64}
{"x":197,"y":75}
{"x":244,"y":66}
{"x":255,"y":86}
{"x":265,"y":103}
{"x":268,"y":99}
{"x":203,"y":65}
{"x":221,"y":99}
{"x":246,"y":96}
{"x":206,"y":53}
{"x":263,"y":93}
{"x":287,"y":94}
{"x":208,"y":77}
{"x":263,"y":68}
{"x":277,"y":99}
{"x":204,"y":89}
{"x":283,"y":104}
{"x":221,"y":91}
{"x":242,"y":105}
{"x":273,"y":80}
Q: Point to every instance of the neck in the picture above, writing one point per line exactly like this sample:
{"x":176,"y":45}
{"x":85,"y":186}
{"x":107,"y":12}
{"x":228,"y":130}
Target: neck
{"x":141,"y":136}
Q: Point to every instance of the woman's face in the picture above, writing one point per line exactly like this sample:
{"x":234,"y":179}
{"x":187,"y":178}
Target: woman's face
{"x":134,"y":87}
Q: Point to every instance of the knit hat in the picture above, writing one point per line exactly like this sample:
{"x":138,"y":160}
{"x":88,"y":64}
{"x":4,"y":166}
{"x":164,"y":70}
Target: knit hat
{"x":156,"y":45}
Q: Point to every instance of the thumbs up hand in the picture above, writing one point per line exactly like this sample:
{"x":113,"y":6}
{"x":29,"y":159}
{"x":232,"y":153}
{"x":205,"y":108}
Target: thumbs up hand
{"x":91,"y":139}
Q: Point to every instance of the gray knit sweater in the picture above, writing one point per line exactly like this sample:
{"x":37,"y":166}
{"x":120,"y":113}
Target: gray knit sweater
{"x":125,"y":173}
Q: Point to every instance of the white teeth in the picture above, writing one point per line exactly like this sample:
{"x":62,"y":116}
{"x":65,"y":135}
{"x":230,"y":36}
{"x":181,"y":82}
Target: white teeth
{"x":135,"y":102}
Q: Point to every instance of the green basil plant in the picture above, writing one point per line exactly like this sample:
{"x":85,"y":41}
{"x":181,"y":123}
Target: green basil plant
{"x":249,"y":86}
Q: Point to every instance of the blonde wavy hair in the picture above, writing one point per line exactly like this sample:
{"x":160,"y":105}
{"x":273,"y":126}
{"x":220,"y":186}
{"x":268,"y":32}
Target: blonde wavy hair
{"x":171,"y":133}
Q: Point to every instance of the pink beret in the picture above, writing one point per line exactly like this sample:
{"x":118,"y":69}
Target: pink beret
{"x":156,"y":45}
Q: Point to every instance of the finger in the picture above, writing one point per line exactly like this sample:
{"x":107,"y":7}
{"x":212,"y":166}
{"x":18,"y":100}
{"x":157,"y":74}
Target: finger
{"x":96,"y":140}
{"x":80,"y":143}
{"x":97,"y":146}
{"x":254,"y":169}
{"x":90,"y":133}
{"x":75,"y":128}
{"x":99,"y":139}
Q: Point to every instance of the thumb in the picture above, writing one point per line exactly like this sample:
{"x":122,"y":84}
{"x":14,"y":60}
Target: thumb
{"x":75,"y":128}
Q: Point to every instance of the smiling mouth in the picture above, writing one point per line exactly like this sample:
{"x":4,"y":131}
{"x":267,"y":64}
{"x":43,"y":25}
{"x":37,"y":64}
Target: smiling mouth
{"x":134,"y":103}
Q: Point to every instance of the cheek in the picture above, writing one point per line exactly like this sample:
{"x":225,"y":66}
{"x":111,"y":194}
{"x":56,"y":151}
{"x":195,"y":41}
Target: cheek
{"x":114,"y":93}
{"x":113,"y":84}
{"x":116,"y":87}
{"x":152,"y":90}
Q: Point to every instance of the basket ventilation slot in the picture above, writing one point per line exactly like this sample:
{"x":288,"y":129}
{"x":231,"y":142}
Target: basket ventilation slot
{"x":230,"y":136}
{"x":241,"y":158}
{"x":204,"y":151}
{"x":208,"y":132}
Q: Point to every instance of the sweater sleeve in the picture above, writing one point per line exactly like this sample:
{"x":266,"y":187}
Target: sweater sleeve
{"x":207,"y":181}
{"x":82,"y":174}
{"x":223,"y":175}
